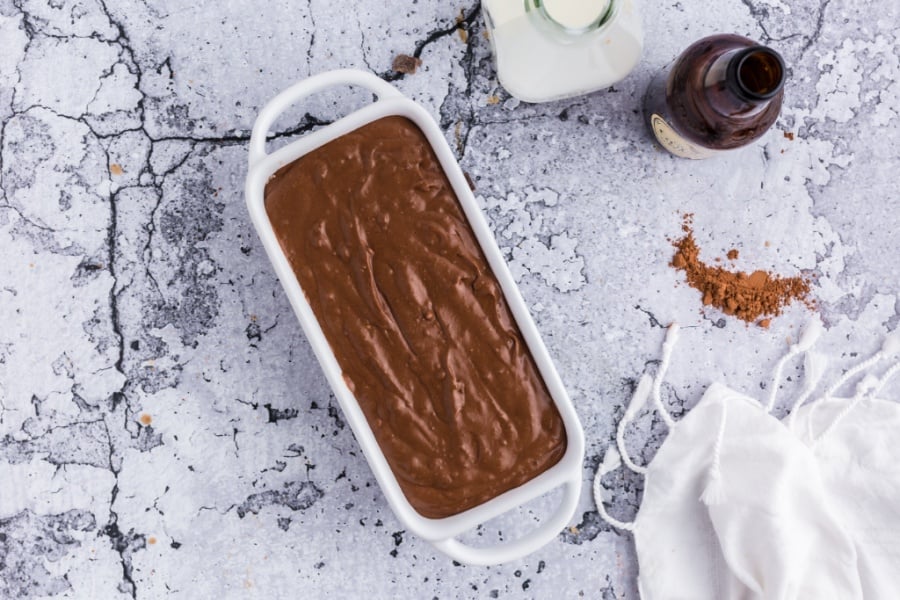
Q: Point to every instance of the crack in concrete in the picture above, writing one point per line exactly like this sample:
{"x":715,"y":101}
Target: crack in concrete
{"x":654,"y":322}
{"x":112,"y":268}
{"x":362,"y":43}
{"x":123,"y":544}
{"x":464,"y":24}
{"x":759,"y":13}
{"x":817,"y":32}
{"x":119,"y":402}
{"x":312,"y":35}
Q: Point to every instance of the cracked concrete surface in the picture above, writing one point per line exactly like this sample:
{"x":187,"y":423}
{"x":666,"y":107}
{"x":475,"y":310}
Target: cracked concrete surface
{"x":164,"y":427}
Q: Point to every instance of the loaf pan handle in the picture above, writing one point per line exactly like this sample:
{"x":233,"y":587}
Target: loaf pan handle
{"x":516,"y":549}
{"x":308,"y":87}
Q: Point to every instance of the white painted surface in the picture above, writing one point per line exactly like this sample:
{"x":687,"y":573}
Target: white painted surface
{"x":145,"y":291}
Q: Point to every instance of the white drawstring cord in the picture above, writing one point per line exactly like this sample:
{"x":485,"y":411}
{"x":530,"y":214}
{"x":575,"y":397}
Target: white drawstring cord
{"x":829,"y":393}
{"x":611,"y":462}
{"x":638,"y":399}
{"x":794,"y":351}
{"x":813,"y":369}
{"x":668,"y":346}
{"x":645,"y":386}
{"x":614,"y":458}
{"x":890,"y":347}
{"x":871,"y":387}
{"x":869,"y":383}
{"x":808,"y":338}
{"x":852,"y":372}
{"x":885,"y":378}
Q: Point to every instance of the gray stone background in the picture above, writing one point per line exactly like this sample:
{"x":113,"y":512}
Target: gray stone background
{"x":164,"y":427}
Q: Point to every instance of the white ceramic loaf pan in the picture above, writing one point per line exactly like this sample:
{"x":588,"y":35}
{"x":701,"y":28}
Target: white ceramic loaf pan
{"x":441,"y":533}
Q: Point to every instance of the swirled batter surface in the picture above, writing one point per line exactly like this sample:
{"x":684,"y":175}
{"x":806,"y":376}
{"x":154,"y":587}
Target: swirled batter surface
{"x":415,"y":317}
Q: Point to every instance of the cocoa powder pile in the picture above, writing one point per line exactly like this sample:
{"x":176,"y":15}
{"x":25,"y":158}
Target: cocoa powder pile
{"x":747,"y":297}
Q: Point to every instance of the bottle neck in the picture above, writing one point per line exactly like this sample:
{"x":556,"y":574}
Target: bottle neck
{"x":573,"y":17}
{"x":744,"y":81}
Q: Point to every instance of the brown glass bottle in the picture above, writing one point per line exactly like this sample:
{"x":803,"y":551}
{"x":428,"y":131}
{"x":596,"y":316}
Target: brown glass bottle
{"x":723,"y":92}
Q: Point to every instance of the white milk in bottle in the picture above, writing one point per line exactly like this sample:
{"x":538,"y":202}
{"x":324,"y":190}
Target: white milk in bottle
{"x":551,"y":49}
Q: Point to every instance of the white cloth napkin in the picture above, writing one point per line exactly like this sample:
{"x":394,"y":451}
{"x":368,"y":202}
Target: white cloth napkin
{"x":740,"y":505}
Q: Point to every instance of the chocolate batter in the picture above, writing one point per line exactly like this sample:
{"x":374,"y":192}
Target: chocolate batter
{"x":415,"y":317}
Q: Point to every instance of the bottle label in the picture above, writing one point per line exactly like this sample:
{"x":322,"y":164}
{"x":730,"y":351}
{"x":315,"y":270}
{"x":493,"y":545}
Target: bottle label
{"x":669,"y":139}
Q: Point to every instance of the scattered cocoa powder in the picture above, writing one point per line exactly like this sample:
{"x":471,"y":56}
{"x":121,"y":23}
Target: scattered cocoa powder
{"x":789,"y":135}
{"x":406,"y":64}
{"x":745,"y":296}
{"x":733,"y":254}
{"x":460,"y":29}
{"x":469,"y":180}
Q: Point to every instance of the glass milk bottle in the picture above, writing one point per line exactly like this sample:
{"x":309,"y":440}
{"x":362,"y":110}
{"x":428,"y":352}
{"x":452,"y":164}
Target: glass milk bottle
{"x":551,"y":49}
